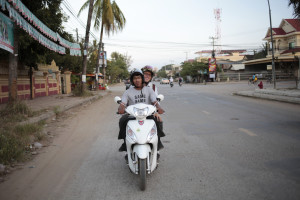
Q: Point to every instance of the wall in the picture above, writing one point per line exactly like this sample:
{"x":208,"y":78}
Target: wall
{"x":45,"y":82}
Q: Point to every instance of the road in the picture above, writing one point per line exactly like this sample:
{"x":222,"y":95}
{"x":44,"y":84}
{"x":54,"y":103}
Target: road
{"x":217,"y":146}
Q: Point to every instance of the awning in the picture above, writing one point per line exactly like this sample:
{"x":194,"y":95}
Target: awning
{"x":269,"y":60}
{"x":237,"y":67}
{"x":88,"y":75}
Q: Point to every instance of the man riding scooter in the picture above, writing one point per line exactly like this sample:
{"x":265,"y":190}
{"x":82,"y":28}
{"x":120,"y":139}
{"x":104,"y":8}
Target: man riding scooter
{"x":171,"y":81}
{"x":137,"y":94}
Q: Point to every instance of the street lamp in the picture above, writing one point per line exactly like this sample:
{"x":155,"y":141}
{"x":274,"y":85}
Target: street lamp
{"x":273,"y":64}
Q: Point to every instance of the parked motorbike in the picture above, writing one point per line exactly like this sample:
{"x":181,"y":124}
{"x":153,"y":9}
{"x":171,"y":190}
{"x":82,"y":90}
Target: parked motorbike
{"x":141,"y":140}
{"x":171,"y":84}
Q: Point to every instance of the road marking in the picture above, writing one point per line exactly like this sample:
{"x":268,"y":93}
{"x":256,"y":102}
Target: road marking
{"x":250,"y":133}
{"x":206,"y":112}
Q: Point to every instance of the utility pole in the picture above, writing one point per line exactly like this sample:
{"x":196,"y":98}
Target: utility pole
{"x":77,"y":34}
{"x":13,"y":68}
{"x":186,"y":55}
{"x":213,"y":39}
{"x":103,"y":65}
{"x":86,"y":45}
{"x":273,"y":64}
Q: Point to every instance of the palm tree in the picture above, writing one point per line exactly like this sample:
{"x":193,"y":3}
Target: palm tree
{"x":109,"y":17}
{"x":87,"y":36}
{"x":296,"y":5}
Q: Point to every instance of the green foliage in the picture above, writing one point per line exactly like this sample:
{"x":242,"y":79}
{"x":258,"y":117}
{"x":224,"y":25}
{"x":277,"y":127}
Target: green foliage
{"x":263,"y":52}
{"x":192,"y":69}
{"x":107,"y":16}
{"x":92,"y":54}
{"x":75,"y":79}
{"x":117,"y":68}
{"x":31,"y":51}
{"x":296,"y":6}
{"x":16,"y":111}
{"x":15,"y":138}
{"x":14,"y":141}
{"x":57,"y":110}
{"x":78,"y":92}
{"x":162,"y":73}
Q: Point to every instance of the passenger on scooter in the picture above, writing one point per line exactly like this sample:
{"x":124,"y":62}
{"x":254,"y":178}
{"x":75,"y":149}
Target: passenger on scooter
{"x":148,"y":75}
{"x":134,"y":95}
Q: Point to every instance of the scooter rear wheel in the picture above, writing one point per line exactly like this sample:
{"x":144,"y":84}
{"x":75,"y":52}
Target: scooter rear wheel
{"x":143,"y":172}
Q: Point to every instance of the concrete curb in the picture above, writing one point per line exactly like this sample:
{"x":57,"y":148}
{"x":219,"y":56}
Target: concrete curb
{"x":288,"y":93}
{"x":51,"y":113}
{"x":275,"y":96}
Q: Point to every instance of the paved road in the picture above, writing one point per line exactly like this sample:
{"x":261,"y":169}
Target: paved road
{"x":218,"y":146}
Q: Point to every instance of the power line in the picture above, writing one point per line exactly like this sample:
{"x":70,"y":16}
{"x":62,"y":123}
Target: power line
{"x":71,"y":11}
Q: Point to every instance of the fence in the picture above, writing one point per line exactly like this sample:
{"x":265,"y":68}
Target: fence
{"x":260,"y":75}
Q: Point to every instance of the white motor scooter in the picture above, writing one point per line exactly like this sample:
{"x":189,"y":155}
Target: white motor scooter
{"x":141,"y":139}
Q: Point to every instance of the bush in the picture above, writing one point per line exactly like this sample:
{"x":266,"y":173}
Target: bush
{"x":79,"y":93}
{"x":15,"y":141}
{"x":15,"y":138}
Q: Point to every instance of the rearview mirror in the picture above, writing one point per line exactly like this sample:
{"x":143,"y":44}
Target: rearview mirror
{"x":160,"y":97}
{"x":117,"y":100}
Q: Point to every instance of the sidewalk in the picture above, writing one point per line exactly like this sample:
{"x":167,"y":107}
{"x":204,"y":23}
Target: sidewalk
{"x":57,"y":103}
{"x":283,"y":95}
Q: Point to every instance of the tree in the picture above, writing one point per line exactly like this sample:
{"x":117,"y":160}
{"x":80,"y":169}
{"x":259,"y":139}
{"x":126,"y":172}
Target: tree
{"x":263,"y":52}
{"x":106,"y":16}
{"x":31,"y":51}
{"x":92,"y":54}
{"x":117,"y":68}
{"x":162,"y":73}
{"x":193,"y":69}
{"x":296,"y":6}
{"x":89,"y":3}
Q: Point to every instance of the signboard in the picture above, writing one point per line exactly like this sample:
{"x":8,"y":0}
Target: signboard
{"x":83,"y":78}
{"x":6,"y":33}
{"x":269,"y":67}
{"x":212,"y":65}
{"x":102,"y":57}
{"x":212,"y":76}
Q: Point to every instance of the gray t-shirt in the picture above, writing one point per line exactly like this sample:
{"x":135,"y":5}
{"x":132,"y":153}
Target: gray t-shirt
{"x":133,"y":96}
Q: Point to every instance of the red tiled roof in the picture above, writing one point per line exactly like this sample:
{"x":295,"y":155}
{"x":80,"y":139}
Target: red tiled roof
{"x":291,"y":50}
{"x":223,"y":51}
{"x":279,"y":31}
{"x":295,"y":23}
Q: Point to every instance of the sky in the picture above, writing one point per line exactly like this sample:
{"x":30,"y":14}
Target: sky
{"x":161,"y":32}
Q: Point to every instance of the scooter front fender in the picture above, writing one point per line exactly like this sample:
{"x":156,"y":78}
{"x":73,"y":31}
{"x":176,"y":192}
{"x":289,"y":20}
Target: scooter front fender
{"x":142,"y":150}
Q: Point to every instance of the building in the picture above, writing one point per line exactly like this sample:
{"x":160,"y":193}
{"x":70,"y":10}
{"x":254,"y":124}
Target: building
{"x":286,"y":39}
{"x":229,"y":60}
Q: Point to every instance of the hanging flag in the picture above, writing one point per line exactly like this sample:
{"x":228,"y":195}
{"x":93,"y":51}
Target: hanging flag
{"x":6,"y":34}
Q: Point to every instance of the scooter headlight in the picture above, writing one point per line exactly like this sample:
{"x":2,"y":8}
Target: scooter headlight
{"x":140,"y":113}
{"x":152,"y":132}
{"x":131,"y":134}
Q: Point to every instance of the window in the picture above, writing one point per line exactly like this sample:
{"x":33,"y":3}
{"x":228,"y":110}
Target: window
{"x":292,"y":45}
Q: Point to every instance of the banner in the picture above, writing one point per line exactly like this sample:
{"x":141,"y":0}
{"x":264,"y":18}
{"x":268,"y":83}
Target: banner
{"x":212,"y":64}
{"x":102,"y":57}
{"x":6,"y":33}
{"x":22,"y":22}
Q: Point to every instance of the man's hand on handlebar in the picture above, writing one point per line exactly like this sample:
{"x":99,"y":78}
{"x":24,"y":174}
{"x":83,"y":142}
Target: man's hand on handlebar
{"x":121,"y":109}
{"x":159,"y":109}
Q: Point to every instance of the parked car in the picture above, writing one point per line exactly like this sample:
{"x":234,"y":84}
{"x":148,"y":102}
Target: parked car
{"x":157,"y":79}
{"x":164,"y":81}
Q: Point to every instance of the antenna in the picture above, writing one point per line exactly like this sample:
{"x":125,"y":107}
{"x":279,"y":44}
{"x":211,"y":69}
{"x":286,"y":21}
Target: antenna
{"x":217,"y":13}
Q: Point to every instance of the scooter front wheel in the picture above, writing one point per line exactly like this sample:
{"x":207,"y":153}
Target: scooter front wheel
{"x":143,"y":172}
